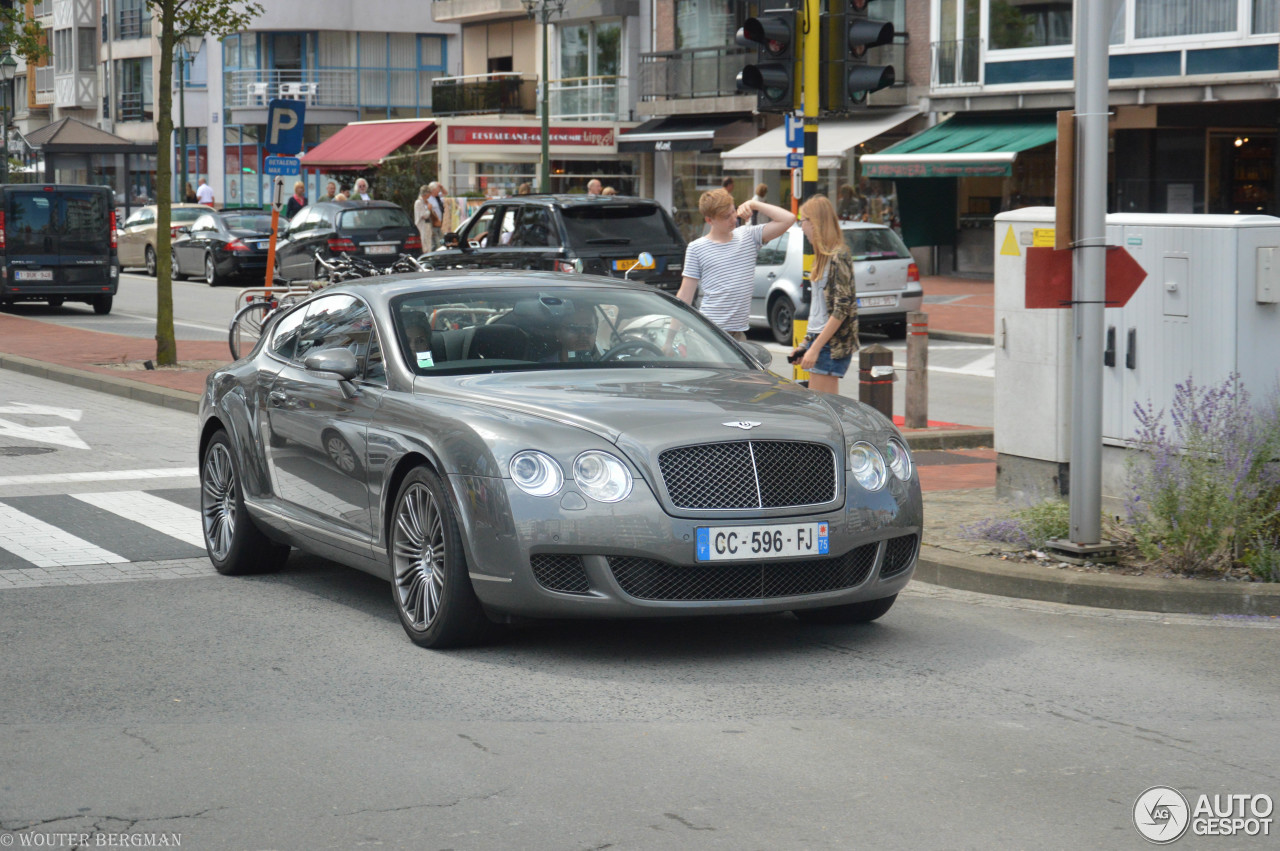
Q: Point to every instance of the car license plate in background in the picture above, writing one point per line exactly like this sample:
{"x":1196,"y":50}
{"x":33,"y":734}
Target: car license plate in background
{"x":34,"y":275}
{"x":878,"y":301}
{"x":262,"y":245}
{"x":630,"y":263}
{"x":773,"y":540}
{"x":380,"y":249}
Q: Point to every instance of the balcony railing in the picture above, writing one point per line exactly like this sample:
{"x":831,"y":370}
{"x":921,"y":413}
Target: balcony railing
{"x":956,"y":63}
{"x":132,"y":107}
{"x":697,"y":73}
{"x":589,"y":99}
{"x":511,"y":93}
{"x":130,"y":23}
{"x":245,"y":89}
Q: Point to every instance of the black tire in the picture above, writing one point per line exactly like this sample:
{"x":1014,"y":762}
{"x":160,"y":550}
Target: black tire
{"x":247,"y":327}
{"x":149,"y":258}
{"x":782,"y":315}
{"x":211,"y":271}
{"x":430,"y":588}
{"x":56,"y":302}
{"x":895,"y":330}
{"x":102,"y":304}
{"x":864,"y":612}
{"x":235,"y":544}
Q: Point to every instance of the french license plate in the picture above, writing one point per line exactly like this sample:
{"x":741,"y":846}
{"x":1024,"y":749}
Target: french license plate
{"x":380,"y":249}
{"x":630,"y":263}
{"x":34,"y":275}
{"x":772,"y":540}
{"x":878,"y":301}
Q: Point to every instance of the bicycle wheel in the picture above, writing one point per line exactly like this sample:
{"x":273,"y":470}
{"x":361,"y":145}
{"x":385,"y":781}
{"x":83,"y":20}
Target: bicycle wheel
{"x":247,"y":327}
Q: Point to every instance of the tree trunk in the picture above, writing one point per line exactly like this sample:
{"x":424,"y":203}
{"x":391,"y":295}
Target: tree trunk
{"x":166,"y":346}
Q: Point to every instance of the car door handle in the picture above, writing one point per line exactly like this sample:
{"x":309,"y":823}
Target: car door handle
{"x":277,"y":397}
{"x":771,"y":275}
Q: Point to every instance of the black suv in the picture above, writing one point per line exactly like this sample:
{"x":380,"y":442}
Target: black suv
{"x":590,"y":234}
{"x":377,"y":231}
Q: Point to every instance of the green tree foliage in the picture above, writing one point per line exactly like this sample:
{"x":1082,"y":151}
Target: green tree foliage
{"x":399,"y":179}
{"x":22,"y":35}
{"x":177,"y":18}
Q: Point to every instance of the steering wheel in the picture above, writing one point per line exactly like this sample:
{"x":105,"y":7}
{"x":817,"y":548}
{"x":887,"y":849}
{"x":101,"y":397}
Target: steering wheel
{"x":627,"y":345}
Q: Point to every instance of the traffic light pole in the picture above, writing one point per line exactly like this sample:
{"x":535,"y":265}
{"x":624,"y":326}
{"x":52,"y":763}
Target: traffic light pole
{"x":811,"y":44}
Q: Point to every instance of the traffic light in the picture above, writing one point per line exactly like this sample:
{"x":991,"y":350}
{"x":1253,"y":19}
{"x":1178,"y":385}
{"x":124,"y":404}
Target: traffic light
{"x":861,"y":33}
{"x":773,"y":77}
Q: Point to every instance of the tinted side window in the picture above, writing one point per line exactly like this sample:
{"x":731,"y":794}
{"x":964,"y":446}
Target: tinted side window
{"x":535,"y":229}
{"x":83,"y":222}
{"x":641,"y":225}
{"x":284,"y":336}
{"x":876,"y":244}
{"x":773,"y":253}
{"x":337,"y":322}
{"x":29,"y":223}
{"x":374,"y":218}
{"x":203,"y":223}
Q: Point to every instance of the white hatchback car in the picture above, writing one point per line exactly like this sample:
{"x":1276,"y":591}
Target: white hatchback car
{"x":886,"y":276}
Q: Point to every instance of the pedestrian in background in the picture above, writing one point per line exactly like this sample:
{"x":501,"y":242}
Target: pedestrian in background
{"x":727,"y":185}
{"x":593,"y":187}
{"x":296,"y":201}
{"x":524,"y":189}
{"x":832,"y":337}
{"x":759,"y":218}
{"x":190,"y":194}
{"x":608,"y":190}
{"x":341,"y":196}
{"x":723,"y":263}
{"x":361,"y":192}
{"x":204,"y":193}
{"x":330,"y":191}
{"x":425,"y":218}
{"x":436,"y":202}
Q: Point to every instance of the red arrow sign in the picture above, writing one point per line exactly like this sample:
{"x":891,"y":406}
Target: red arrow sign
{"x":1049,"y":277}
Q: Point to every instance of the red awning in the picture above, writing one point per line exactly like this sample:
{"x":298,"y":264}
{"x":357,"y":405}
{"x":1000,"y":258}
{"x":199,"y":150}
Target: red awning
{"x":366,"y":143}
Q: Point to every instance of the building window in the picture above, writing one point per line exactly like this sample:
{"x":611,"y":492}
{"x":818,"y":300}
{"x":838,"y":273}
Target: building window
{"x":1164,"y":18}
{"x":1266,"y":16}
{"x":133,"y":19}
{"x":63,"y":52}
{"x":590,"y":50}
{"x":133,"y":80}
{"x":707,"y":23}
{"x":87,"y":54}
{"x":1012,"y":24}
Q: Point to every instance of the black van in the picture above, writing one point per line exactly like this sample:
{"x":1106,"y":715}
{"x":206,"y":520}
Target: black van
{"x":58,"y":243}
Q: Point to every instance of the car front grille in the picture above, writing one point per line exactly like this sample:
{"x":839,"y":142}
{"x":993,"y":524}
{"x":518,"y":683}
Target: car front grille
{"x":898,"y":553}
{"x":650,"y":579}
{"x":749,"y":474}
{"x":563,"y":573}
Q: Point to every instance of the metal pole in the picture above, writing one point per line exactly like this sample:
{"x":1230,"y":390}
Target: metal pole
{"x":4,"y":119}
{"x":182,"y":120}
{"x":546,"y":117}
{"x":1093,"y":22}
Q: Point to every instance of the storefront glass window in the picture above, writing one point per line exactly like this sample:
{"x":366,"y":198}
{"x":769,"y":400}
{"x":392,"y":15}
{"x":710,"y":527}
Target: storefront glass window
{"x":1164,"y":18}
{"x":1242,"y":173}
{"x":1014,"y":24}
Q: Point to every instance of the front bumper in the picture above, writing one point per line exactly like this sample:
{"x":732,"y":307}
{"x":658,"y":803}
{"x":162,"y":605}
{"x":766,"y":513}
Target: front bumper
{"x":536,"y":557}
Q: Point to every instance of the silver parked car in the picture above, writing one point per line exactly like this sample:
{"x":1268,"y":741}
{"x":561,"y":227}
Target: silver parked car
{"x":500,"y":444}
{"x":886,"y":276}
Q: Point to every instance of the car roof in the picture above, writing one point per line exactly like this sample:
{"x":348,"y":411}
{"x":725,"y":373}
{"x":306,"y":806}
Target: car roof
{"x":569,"y":200}
{"x":387,"y":287}
{"x":356,"y":205}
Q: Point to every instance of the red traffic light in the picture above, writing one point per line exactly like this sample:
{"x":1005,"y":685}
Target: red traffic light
{"x":771,"y":33}
{"x":866,"y":33}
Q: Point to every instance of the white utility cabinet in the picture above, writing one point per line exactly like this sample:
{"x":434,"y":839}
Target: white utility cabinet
{"x":1209,"y":306}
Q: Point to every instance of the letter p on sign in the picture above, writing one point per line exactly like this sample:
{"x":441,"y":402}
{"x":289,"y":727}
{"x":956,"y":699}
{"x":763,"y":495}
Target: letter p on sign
{"x":284,"y":126}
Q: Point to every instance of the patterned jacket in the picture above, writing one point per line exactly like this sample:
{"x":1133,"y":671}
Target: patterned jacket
{"x":841,"y":297}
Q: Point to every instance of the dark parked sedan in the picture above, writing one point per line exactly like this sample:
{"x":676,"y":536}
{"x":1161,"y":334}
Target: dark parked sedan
{"x":221,"y":246}
{"x":377,"y":231}
{"x":539,"y":445}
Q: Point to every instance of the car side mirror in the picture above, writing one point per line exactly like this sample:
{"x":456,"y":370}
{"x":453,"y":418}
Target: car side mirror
{"x":338,"y":364}
{"x":184,"y":230}
{"x":758,"y":353}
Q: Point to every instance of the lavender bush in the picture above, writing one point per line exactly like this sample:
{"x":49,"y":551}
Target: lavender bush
{"x":1204,"y":489}
{"x":1027,"y":527}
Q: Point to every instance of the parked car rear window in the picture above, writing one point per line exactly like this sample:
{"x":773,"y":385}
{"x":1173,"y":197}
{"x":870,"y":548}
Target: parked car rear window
{"x":640,"y":225}
{"x":373,"y":219}
{"x":876,"y":244}
{"x":248,"y":224}
{"x":186,"y":214}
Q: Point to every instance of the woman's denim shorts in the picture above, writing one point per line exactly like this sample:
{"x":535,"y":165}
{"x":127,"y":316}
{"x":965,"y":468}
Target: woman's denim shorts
{"x":827,"y":365}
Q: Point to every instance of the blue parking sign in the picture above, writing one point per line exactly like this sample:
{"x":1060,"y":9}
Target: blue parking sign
{"x":284,"y":126}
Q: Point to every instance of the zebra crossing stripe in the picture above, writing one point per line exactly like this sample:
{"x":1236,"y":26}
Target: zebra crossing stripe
{"x":152,"y":511}
{"x":99,"y":476}
{"x":43,"y":545}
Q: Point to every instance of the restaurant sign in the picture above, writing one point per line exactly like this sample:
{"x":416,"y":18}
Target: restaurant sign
{"x":488,"y":134}
{"x":936,"y":169}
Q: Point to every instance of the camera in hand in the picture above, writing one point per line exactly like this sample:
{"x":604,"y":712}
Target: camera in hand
{"x":797,"y":355}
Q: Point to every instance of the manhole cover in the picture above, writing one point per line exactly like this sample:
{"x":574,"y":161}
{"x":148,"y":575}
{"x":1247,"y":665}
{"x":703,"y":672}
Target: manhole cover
{"x":11,"y":451}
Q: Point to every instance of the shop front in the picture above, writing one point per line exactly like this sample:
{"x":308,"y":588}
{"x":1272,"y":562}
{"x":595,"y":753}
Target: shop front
{"x":953,"y":178}
{"x":481,"y":159}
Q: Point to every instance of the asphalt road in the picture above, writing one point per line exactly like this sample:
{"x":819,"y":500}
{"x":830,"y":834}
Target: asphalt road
{"x":289,"y":711}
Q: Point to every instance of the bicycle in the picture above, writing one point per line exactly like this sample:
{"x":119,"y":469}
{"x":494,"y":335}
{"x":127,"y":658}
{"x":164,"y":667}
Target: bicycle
{"x":261,"y":305}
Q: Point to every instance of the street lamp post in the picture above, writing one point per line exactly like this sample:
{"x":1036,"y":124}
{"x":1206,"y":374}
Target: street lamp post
{"x":188,"y":47}
{"x":8,"y":67}
{"x":545,"y":9}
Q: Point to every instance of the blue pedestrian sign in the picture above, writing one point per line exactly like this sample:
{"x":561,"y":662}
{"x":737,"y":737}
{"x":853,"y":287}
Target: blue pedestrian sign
{"x":281,"y":165}
{"x":284,"y":126}
{"x":793,"y":161}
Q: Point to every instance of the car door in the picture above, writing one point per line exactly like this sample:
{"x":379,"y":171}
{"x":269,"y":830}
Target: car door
{"x":318,"y":426}
{"x":188,"y":253}
{"x":133,"y":237}
{"x":770,"y":263}
{"x":290,"y":249}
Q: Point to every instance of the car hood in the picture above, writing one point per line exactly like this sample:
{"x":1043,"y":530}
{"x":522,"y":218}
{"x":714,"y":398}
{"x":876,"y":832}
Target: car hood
{"x":650,"y":409}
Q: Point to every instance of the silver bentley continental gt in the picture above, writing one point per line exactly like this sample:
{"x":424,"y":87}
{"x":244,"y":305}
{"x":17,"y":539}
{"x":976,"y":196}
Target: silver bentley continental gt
{"x":531,"y":444}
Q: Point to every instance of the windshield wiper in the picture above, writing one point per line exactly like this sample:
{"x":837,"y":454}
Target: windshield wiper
{"x":609,"y":240}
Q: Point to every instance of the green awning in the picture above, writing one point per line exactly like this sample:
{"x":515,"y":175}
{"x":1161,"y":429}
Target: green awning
{"x":963,"y":146}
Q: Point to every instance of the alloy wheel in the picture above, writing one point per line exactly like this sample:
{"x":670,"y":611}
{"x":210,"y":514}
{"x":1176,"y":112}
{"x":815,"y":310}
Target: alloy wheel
{"x":210,"y":272}
{"x":218,"y":501}
{"x":418,"y":556}
{"x":150,"y":259}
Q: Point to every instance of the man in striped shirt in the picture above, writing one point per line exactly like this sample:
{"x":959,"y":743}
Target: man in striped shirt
{"x":723,"y":263}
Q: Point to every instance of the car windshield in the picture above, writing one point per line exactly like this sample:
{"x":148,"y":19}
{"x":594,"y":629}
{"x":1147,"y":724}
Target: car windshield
{"x":375,"y":218}
{"x":248,"y":223}
{"x":466,"y":331}
{"x":642,"y":226}
{"x":186,"y":214}
{"x":876,"y":244}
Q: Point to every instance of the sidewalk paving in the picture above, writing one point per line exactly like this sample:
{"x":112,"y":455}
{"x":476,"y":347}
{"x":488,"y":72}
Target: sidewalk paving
{"x":956,"y":463}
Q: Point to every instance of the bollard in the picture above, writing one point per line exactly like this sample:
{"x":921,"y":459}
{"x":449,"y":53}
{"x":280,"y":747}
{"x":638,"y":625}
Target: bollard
{"x":875,"y":378}
{"x":916,"y":414}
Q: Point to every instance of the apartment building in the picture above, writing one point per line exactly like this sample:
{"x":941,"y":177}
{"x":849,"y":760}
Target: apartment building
{"x":1194,"y":101}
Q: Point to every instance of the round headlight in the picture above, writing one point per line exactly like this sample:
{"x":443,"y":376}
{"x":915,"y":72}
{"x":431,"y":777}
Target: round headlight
{"x":867,"y":466}
{"x":536,"y":473}
{"x":601,"y":476}
{"x":899,"y":459}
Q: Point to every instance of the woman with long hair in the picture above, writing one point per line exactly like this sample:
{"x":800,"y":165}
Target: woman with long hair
{"x":833,"y":308}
